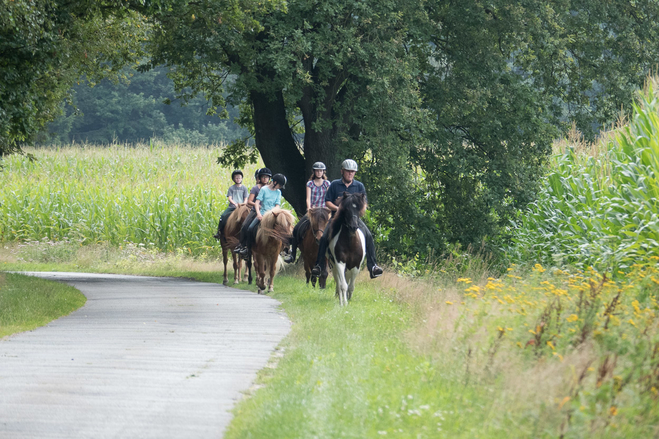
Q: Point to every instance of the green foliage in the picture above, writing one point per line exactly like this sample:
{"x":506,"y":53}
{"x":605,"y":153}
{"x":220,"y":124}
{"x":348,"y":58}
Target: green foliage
{"x":46,"y":45}
{"x":599,"y":210}
{"x":134,"y":110}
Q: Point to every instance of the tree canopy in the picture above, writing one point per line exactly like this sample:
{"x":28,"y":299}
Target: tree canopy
{"x":45,"y":47}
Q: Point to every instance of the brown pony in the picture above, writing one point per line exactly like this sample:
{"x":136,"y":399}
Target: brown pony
{"x":275,"y":230}
{"x":311,"y":234}
{"x":229,"y":239}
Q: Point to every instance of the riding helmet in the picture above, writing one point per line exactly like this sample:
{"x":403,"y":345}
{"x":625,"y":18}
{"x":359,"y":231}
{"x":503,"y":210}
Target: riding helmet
{"x":349,"y":165}
{"x":265,"y":171}
{"x":237,"y":172}
{"x":280,"y":179}
{"x":319,"y":165}
{"x":256,"y":174}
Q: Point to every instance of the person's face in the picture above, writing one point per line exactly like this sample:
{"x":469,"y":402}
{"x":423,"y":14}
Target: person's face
{"x":265,"y":179}
{"x":318,"y":173}
{"x":238,"y":179}
{"x":348,"y":176}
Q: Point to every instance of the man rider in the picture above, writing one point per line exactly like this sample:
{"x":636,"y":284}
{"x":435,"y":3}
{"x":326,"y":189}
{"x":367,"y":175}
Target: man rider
{"x":346,"y":183}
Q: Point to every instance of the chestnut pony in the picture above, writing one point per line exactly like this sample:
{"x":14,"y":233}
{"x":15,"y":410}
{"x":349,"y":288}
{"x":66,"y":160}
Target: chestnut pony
{"x":274,"y":232}
{"x":229,"y":239}
{"x":347,"y":245}
{"x":310,"y":235}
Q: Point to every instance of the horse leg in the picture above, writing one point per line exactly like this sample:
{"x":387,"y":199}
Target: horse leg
{"x":352,"y":277}
{"x":225,"y":257}
{"x":248,"y":263}
{"x":273,"y":271}
{"x":341,"y":284}
{"x":237,"y":266}
{"x":259,"y":266}
{"x":323,"y":277}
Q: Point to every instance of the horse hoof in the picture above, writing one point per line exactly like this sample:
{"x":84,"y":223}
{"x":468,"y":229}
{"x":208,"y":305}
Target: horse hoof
{"x":225,"y":282}
{"x":271,"y":289}
{"x":236,"y":282}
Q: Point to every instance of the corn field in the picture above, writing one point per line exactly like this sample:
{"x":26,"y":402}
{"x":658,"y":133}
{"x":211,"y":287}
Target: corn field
{"x":599,"y":205}
{"x":165,"y":197}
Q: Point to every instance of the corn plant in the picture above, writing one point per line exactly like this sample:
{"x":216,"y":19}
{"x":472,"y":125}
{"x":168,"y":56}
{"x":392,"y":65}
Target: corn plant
{"x":599,"y":210}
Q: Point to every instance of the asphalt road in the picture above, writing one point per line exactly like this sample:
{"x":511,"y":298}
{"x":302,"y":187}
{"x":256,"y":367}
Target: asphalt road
{"x":145,"y":357}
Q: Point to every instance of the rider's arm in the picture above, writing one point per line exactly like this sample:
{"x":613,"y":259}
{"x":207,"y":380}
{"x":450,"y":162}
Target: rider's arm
{"x":257,"y":208}
{"x":231,"y":201}
{"x":250,"y":200}
{"x":331,"y":206}
{"x":308,"y":198}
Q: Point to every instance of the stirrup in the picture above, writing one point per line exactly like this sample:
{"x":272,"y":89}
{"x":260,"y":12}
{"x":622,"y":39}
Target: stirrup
{"x":315,"y":271}
{"x":376,"y":272}
{"x":289,"y":259}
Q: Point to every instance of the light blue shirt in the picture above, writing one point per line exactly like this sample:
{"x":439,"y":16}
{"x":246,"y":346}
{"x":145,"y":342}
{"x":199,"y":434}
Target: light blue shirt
{"x":269,"y":199}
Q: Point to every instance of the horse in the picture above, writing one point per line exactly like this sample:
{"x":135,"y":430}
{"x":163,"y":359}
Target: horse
{"x":347,"y":244}
{"x":229,"y":239}
{"x":274,"y":232}
{"x":310,"y":233}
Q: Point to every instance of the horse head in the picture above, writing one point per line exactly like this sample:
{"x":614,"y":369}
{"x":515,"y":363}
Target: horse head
{"x":351,"y":208}
{"x":318,"y":218}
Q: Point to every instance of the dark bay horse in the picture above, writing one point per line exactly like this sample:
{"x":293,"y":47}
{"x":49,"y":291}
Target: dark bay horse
{"x":274,"y":232}
{"x":310,"y":234}
{"x":229,"y":239}
{"x":347,"y":244}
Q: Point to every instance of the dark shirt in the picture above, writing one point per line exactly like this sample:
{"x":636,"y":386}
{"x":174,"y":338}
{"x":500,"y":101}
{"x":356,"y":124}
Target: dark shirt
{"x":337,"y":188}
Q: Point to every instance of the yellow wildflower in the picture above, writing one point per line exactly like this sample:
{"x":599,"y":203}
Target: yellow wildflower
{"x":573,"y":318}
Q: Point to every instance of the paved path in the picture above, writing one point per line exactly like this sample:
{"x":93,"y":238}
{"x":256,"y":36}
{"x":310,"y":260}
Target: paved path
{"x":145,"y":357}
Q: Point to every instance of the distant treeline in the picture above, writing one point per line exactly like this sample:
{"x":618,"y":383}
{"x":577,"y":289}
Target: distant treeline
{"x":135,"y":111}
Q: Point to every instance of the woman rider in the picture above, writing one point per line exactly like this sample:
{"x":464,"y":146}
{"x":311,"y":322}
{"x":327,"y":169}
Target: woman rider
{"x":269,"y":197}
{"x":316,"y":190}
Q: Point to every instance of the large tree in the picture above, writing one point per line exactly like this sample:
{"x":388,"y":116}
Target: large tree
{"x":46,"y":46}
{"x":450,"y":107}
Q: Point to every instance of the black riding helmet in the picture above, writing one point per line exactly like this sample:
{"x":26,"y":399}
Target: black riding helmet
{"x":265,"y":171}
{"x":280,"y":179}
{"x":237,"y":172}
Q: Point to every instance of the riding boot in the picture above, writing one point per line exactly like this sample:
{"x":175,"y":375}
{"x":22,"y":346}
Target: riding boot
{"x":291,"y":257}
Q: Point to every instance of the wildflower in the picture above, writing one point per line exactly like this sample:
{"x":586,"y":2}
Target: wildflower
{"x":449,"y":303}
{"x":565,"y":400}
{"x":573,"y":318}
{"x":551,"y":345}
{"x":464,"y":279}
{"x":613,"y":410}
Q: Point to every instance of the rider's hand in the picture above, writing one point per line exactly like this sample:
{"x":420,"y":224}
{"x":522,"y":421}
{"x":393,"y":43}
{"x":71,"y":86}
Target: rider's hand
{"x":259,"y":217}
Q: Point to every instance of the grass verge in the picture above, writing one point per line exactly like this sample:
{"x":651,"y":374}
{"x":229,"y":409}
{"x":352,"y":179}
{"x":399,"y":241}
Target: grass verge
{"x":28,"y":302}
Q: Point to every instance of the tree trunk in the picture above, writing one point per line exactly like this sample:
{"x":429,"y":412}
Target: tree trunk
{"x":277,"y":146}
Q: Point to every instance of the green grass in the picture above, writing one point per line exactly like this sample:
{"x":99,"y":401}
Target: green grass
{"x":28,"y":302}
{"x":434,"y":358}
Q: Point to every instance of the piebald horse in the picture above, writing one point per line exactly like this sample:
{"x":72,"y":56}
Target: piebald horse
{"x":229,"y":239}
{"x":275,"y":230}
{"x":347,"y":245}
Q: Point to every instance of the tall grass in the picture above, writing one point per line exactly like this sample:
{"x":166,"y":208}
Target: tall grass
{"x":599,"y":205}
{"x":165,"y":197}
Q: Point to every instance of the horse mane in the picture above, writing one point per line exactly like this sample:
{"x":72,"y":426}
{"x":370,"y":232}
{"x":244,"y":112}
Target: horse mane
{"x":235,"y":220}
{"x":341,"y":214}
{"x":278,"y":224}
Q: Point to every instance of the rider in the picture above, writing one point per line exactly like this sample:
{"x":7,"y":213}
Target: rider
{"x":269,"y":197}
{"x":237,"y":195}
{"x":262,"y":178}
{"x":316,"y":190}
{"x":346,"y":183}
